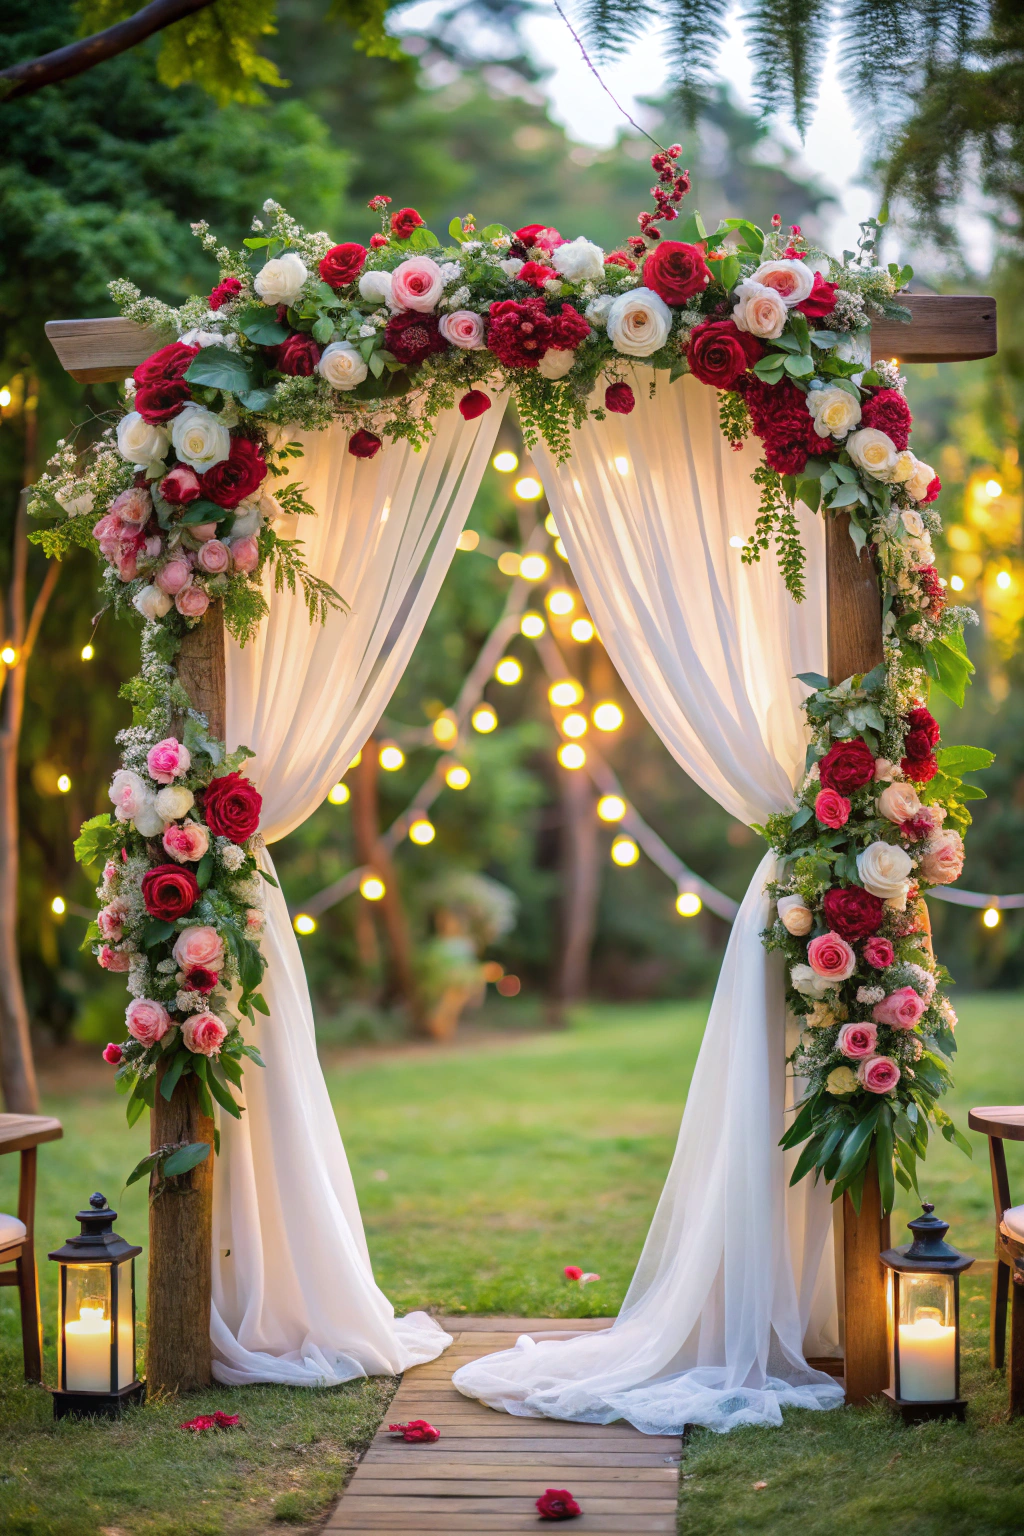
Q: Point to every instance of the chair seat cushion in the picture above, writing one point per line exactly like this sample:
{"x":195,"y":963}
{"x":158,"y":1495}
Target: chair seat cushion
{"x":1013,"y":1220}
{"x":11,"y":1230}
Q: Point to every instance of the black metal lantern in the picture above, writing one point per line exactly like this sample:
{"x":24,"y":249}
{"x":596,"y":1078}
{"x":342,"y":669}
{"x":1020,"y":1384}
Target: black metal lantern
{"x":923,"y":1293}
{"x":96,"y":1318}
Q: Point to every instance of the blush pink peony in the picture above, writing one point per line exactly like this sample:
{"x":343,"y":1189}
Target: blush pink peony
{"x":186,"y":842}
{"x":857,"y":1040}
{"x":132,"y":506}
{"x":878,"y":1074}
{"x":110,"y":921}
{"x":203,"y":1033}
{"x":245,"y":554}
{"x":900,"y":1010}
{"x":199,"y":946}
{"x":943,"y":858}
{"x":831,"y":956}
{"x":172,"y":576}
{"x":168,"y":760}
{"x":148,"y":1022}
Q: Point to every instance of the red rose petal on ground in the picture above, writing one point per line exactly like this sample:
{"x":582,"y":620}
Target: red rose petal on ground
{"x":557,"y":1504}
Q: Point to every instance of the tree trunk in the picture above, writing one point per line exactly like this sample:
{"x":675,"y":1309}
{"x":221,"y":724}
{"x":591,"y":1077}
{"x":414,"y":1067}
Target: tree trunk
{"x":580,"y":882}
{"x":178,"y":1355}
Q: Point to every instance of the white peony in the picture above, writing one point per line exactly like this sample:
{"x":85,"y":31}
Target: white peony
{"x":342,"y":365}
{"x":152,"y":603}
{"x":808,"y":982}
{"x":639,"y":322}
{"x":281,"y":280}
{"x":200,"y":438}
{"x":874,"y":451}
{"x":884,"y":870}
{"x":139,"y":442}
{"x":376,"y":287}
{"x":835,"y":411}
{"x":791,"y":280}
{"x":919,"y":480}
{"x":174,"y":801}
{"x":597,"y":310}
{"x":579,"y":261}
{"x":795,"y":915}
{"x":556,"y":362}
{"x":759,"y":310}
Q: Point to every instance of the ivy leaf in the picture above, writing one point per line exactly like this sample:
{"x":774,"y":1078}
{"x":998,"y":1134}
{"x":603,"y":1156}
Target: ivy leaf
{"x":800,"y":329}
{"x":144,"y":1166}
{"x":256,"y":399}
{"x":156,"y":931}
{"x":728,"y":271}
{"x":809,"y":492}
{"x":422,"y":239}
{"x":692,"y":229}
{"x":800,"y":817}
{"x":799,"y":367}
{"x":220,"y":368}
{"x":845,"y":496}
{"x":949,"y":666}
{"x":455,"y":230}
{"x":824,"y":339}
{"x":812,"y":679}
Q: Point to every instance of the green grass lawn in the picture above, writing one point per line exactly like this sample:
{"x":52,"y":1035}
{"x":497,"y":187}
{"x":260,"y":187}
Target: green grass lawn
{"x":482,"y":1172}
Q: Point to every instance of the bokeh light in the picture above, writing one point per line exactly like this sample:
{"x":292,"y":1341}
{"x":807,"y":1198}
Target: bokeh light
{"x":624,"y":852}
{"x":611,"y":807}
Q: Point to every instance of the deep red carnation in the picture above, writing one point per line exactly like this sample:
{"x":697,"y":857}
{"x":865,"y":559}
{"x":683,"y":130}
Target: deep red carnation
{"x":169,"y":363}
{"x":821,"y":300}
{"x":342,"y":264}
{"x":888,"y":412}
{"x":520,"y":333}
{"x":199,"y":979}
{"x":541,"y":236}
{"x":847,"y":765}
{"x":298,"y":356}
{"x":364,"y":445}
{"x":232,"y":806}
{"x":535,"y":273}
{"x":404,"y":222}
{"x":934,"y":589}
{"x":783,"y":423}
{"x":169,"y":891}
{"x":160,"y":402}
{"x":474,"y":403}
{"x":619,"y":398}
{"x":853,"y":913}
{"x":237,"y":476}
{"x":557,"y":1504}
{"x":922,"y":726}
{"x":224,"y":292}
{"x":417,"y":1430}
{"x":411,"y":336}
{"x":921,"y":769}
{"x":719,"y":353}
{"x":676,"y":271}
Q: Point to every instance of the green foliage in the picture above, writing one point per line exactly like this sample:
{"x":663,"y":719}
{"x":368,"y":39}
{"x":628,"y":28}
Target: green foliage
{"x":776,"y":522}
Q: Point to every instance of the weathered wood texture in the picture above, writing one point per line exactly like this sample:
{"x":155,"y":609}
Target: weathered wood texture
{"x":854,"y":603}
{"x":946,"y":328}
{"x":102,"y":351}
{"x":1004,"y":1123}
{"x":488,"y":1469}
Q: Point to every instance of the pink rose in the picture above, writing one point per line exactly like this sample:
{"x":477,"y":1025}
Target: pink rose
{"x":168,"y":760}
{"x":186,"y":841}
{"x":154,"y":546}
{"x":463,"y":329}
{"x":192,"y":601}
{"x":900,"y":1010}
{"x":203,"y":1033}
{"x":899,"y":803}
{"x":878,"y":952}
{"x":180,"y":486}
{"x":147,"y":1021}
{"x":113,"y":1054}
{"x":245,"y":554}
{"x":110,"y":921}
{"x":170,"y":578}
{"x":126,"y":562}
{"x":879,"y":1074}
{"x":883,"y":768}
{"x":857,"y":1040}
{"x":254,"y":919}
{"x":132,"y":506}
{"x":831,"y":808}
{"x":214,"y":557}
{"x":831,"y":956}
{"x":417,"y":284}
{"x":109,"y":872}
{"x":199,"y":946}
{"x":943,"y":858}
{"x":114,"y":959}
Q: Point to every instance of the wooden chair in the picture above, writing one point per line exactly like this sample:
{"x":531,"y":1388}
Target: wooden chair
{"x":1005,"y":1122}
{"x":24,"y":1133}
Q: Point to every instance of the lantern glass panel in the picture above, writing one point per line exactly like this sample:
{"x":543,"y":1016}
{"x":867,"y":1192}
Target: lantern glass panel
{"x":927,"y":1337}
{"x":85,"y":1330}
{"x":125,"y":1324}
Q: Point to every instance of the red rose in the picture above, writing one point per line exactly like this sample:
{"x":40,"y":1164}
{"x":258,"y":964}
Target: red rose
{"x":113,"y":1054}
{"x":474,"y":403}
{"x":535,"y":273}
{"x":169,"y":891}
{"x":415,"y":1430}
{"x":821,"y":300}
{"x":169,"y":363}
{"x":619,"y":398}
{"x":887,"y":411}
{"x":557,"y":1504}
{"x":848,"y":765}
{"x":232,"y":806}
{"x":934,"y":487}
{"x":411,"y":337}
{"x":719,"y":353}
{"x":541,"y":236}
{"x":519,"y":334}
{"x":920,"y":769}
{"x":237,"y":476}
{"x":921,"y":739}
{"x":568,"y":328}
{"x":298,"y":356}
{"x":159,"y":402}
{"x":199,"y":979}
{"x":342,"y":264}
{"x":783,"y":423}
{"x":831,"y":808}
{"x":180,"y":486}
{"x":853,"y":913}
{"x":676,"y":271}
{"x":364,"y":445}
{"x":377,"y":242}
{"x":879,"y":953}
{"x":224,"y":292}
{"x":404,"y":222}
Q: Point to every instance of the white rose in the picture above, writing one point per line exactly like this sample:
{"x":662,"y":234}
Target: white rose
{"x":281,"y":280}
{"x":127,"y":792}
{"x":791,"y":280}
{"x":147,"y":819}
{"x":795,"y":915}
{"x":200,"y":338}
{"x":512,"y":267}
{"x":913,"y":522}
{"x":556,"y":362}
{"x":579,"y":261}
{"x":376,"y":287}
{"x":597,"y":310}
{"x":138,"y":441}
{"x":200,"y":438}
{"x":759,"y":310}
{"x":835,"y":411}
{"x":884,"y":869}
{"x":808,"y":982}
{"x":152,"y":603}
{"x":342,"y":365}
{"x":919,"y":481}
{"x":639,"y":322}
{"x":874,"y":451}
{"x":174,"y":801}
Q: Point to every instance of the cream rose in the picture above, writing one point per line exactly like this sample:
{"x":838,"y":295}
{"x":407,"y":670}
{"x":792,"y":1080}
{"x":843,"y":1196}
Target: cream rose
{"x":639,"y":322}
{"x":835,"y":411}
{"x":807,"y":981}
{"x":943,"y":858}
{"x":884,"y":869}
{"x":375,"y":287}
{"x":200,"y":438}
{"x":417,"y":283}
{"x":874,"y":451}
{"x":343,"y":366}
{"x":512,"y":266}
{"x":792,"y":280}
{"x":913,"y":523}
{"x":917,"y":484}
{"x":579,"y":261}
{"x":556,"y":362}
{"x":174,"y":802}
{"x":152,"y":603}
{"x":280,"y":280}
{"x":759,"y":310}
{"x":464,"y":329}
{"x":904,"y":467}
{"x":899,"y":803}
{"x":139,"y":442}
{"x":795,"y":915}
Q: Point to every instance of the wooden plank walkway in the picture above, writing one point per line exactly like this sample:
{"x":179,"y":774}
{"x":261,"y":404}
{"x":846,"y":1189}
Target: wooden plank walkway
{"x":487,"y":1470}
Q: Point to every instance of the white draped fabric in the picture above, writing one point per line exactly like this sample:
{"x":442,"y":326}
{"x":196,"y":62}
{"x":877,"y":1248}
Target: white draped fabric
{"x":294,"y":1298}
{"x":736,"y":1279}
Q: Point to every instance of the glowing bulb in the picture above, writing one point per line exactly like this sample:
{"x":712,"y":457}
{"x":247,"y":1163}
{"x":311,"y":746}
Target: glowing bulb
{"x":391,"y":757}
{"x":957,"y":583}
{"x":422,"y":832}
{"x":87,"y":653}
{"x":531,"y":625}
{"x":468,"y":539}
{"x":304,"y":923}
{"x":550,"y":526}
{"x":508,"y":670}
{"x":340,"y":794}
{"x":445,"y":729}
{"x":737,"y":541}
{"x":575,"y":725}
{"x":565,"y":693}
{"x":529,"y":489}
{"x":64,"y":783}
{"x":371,"y":888}
{"x":355,"y":761}
{"x":582,"y":630}
{"x":561,"y":602}
{"x":457,"y":777}
{"x":571,"y":755}
{"x":993,"y":488}
{"x":533,"y":567}
{"x":1003,"y":580}
{"x":611,"y":807}
{"x":5,"y":397}
{"x":58,"y":906}
{"x":608,"y":717}
{"x":624,"y":852}
{"x":622,"y":464}
{"x":505,"y":462}
{"x":688,"y":903}
{"x":8,"y":655}
{"x":509,"y":563}
{"x":991,"y":917}
{"x":484,"y":719}
{"x":560,"y":550}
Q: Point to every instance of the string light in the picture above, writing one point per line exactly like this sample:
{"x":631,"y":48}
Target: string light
{"x":372,"y":888}
{"x":422,"y":831}
{"x":391,"y":757}
{"x":533,"y":567}
{"x":957,"y":583}
{"x":445,"y":728}
{"x":571,"y":755}
{"x":509,"y":563}
{"x":484,"y":719}
{"x":608,"y":716}
{"x":64,"y":783}
{"x":561,"y":602}
{"x":8,"y":655}
{"x":688,"y":904}
{"x":582,"y":630}
{"x":1003,"y":580}
{"x":340,"y":794}
{"x":611,"y":807}
{"x":529,"y":489}
{"x":993,"y":489}
{"x":575,"y":725}
{"x":58,"y":906}
{"x":508,"y":671}
{"x":624,"y":852}
{"x":565,"y":693}
{"x":991,"y":917}
{"x":87,"y":653}
{"x":560,"y":550}
{"x":5,"y":397}
{"x":531,"y":625}
{"x":457,"y":776}
{"x":304,"y":924}
{"x":468,"y":539}
{"x":505,"y":462}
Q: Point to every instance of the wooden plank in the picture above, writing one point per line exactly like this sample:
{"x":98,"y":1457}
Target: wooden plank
{"x":866,"y":1341}
{"x":500,"y":1325}
{"x":528,"y":1471}
{"x":946,"y":328}
{"x":520,"y":1454}
{"x":854,"y":603}
{"x":622,"y":1524}
{"x":506,"y":1493}
{"x":102,"y":351}
{"x":19,"y":1132}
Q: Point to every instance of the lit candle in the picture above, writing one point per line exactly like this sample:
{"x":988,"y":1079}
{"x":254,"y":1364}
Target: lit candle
{"x":87,"y":1351}
{"x":927,"y":1361}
